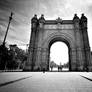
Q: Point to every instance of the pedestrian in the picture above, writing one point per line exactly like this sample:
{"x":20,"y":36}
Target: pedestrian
{"x":43,"y":70}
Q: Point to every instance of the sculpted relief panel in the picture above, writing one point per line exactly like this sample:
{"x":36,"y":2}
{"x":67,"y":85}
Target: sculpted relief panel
{"x":59,"y":26}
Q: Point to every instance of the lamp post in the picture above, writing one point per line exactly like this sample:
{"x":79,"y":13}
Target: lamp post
{"x":10,"y":18}
{"x":3,"y":49}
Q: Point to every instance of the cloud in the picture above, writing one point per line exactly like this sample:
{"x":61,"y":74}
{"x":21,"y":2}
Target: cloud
{"x":25,"y":9}
{"x":19,"y":24}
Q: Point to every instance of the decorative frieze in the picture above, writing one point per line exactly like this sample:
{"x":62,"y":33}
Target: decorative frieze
{"x":60,"y":26}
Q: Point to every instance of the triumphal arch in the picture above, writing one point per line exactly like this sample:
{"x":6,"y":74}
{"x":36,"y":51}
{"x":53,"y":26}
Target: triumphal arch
{"x":72,"y":32}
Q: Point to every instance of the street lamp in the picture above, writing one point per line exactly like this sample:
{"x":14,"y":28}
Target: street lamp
{"x":10,"y":18}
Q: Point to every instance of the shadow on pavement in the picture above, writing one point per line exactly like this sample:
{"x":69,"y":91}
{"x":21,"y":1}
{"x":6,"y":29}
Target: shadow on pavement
{"x":6,"y":83}
{"x":86,"y":78}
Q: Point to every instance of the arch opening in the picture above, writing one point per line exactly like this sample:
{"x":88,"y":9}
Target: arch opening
{"x":62,"y":65}
{"x":59,"y":57}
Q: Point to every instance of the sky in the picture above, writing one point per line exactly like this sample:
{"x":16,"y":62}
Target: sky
{"x":59,"y":53}
{"x":24,"y":10}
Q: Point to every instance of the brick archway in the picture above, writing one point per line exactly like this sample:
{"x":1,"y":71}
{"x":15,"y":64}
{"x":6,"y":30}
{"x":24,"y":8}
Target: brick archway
{"x":72,"y":32}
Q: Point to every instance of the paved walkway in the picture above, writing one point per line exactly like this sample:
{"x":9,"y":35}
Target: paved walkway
{"x":46,"y":82}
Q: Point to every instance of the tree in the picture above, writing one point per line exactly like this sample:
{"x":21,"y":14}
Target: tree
{"x":52,"y":64}
{"x":12,"y":58}
{"x":3,"y":56}
{"x":21,"y":57}
{"x":66,"y":65}
{"x":12,"y":61}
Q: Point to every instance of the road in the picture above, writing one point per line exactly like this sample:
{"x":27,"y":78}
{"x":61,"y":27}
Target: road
{"x":46,"y":82}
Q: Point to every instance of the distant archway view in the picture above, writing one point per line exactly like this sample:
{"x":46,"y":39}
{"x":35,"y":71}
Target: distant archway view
{"x":59,"y":57}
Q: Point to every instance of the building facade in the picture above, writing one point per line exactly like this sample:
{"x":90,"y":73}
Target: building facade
{"x":72,"y":32}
